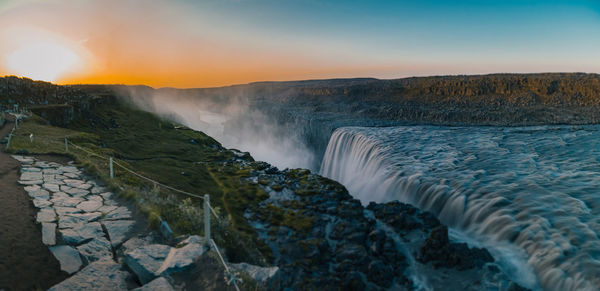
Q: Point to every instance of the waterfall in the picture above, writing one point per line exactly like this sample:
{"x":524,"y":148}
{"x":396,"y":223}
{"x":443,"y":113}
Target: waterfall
{"x":526,"y":194}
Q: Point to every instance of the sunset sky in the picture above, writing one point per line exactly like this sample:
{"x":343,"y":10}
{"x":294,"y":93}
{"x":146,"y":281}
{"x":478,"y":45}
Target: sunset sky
{"x":202,"y":43}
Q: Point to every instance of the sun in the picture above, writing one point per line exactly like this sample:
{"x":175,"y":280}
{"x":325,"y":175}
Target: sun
{"x":45,"y":60}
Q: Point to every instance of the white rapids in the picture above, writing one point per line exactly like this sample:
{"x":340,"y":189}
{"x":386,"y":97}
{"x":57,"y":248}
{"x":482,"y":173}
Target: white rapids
{"x":529,"y":194}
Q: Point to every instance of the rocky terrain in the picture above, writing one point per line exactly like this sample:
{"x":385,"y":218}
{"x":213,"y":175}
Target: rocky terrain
{"x":98,"y":241}
{"x":306,"y":227}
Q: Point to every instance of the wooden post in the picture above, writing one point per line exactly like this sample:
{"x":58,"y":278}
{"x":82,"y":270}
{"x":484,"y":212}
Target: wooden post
{"x":66,"y":145}
{"x":207,"y":220}
{"x":112,"y":173}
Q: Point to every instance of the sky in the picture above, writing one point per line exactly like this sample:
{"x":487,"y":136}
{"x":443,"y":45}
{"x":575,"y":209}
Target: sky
{"x":206,"y":43}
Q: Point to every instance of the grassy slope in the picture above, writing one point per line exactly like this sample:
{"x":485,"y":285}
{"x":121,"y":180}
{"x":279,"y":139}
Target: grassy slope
{"x":179,"y":157}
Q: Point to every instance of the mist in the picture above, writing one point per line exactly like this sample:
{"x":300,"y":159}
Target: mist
{"x":231,"y":120}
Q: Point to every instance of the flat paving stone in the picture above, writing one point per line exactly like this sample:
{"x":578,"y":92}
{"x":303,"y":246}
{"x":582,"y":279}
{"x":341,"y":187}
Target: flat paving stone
{"x":104,"y":274}
{"x":46,"y":215}
{"x":68,"y":257}
{"x":49,"y":233}
{"x":120,"y":212}
{"x":32,"y":182}
{"x":96,"y":249}
{"x":39,"y":194}
{"x":29,"y":176}
{"x":74,"y":220}
{"x":41,"y":203}
{"x":75,"y":236}
{"x":66,"y":210}
{"x":51,"y":187}
{"x":107,"y":208}
{"x":89,"y":206}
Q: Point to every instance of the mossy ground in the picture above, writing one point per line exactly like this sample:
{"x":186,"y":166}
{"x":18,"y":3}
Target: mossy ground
{"x":168,"y":153}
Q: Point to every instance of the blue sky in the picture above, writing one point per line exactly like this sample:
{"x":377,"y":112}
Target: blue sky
{"x":218,"y":42}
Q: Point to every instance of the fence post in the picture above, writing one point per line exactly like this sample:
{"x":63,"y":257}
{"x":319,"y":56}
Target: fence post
{"x":207,"y":220}
{"x":8,"y":142}
{"x":112,"y":173}
{"x":66,"y":145}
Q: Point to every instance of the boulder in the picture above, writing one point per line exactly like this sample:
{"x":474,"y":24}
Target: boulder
{"x":68,"y":257}
{"x":104,"y":274}
{"x":147,"y":260}
{"x":259,"y":274}
{"x":75,"y":236}
{"x":158,"y":284}
{"x":96,"y":249}
{"x":49,"y":233}
{"x":156,"y":260}
{"x":181,"y":259}
{"x":118,"y":230}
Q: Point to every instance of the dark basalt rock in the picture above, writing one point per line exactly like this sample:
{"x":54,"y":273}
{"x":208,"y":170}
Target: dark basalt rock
{"x":438,"y":250}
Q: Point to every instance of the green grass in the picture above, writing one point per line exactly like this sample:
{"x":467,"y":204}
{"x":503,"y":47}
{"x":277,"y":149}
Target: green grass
{"x":179,"y":157}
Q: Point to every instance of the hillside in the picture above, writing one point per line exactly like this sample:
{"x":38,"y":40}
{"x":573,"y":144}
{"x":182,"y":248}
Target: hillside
{"x":308,"y":226}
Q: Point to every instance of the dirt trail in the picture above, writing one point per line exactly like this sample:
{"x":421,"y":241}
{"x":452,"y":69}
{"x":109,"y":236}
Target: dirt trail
{"x":25,"y":263}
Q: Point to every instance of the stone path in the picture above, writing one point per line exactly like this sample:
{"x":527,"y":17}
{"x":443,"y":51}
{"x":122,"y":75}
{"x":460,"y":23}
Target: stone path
{"x":81,"y":223}
{"x":85,"y":228}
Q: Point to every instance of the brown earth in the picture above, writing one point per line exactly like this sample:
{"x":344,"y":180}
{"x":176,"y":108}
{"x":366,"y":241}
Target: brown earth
{"x":25,"y":262}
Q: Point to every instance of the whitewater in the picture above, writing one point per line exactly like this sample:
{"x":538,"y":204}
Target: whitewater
{"x":531,"y":195}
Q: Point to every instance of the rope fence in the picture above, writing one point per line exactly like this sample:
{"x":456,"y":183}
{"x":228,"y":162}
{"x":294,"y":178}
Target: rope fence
{"x":208,"y":209}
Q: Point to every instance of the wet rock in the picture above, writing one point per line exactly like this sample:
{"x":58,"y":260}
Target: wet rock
{"x":77,"y":235}
{"x":118,"y":230}
{"x":49,"y":233}
{"x":438,"y":250}
{"x":380,"y":273}
{"x":68,"y":257}
{"x":352,"y":252}
{"x":96,"y":249}
{"x":104,"y":274}
{"x":157,"y":284}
